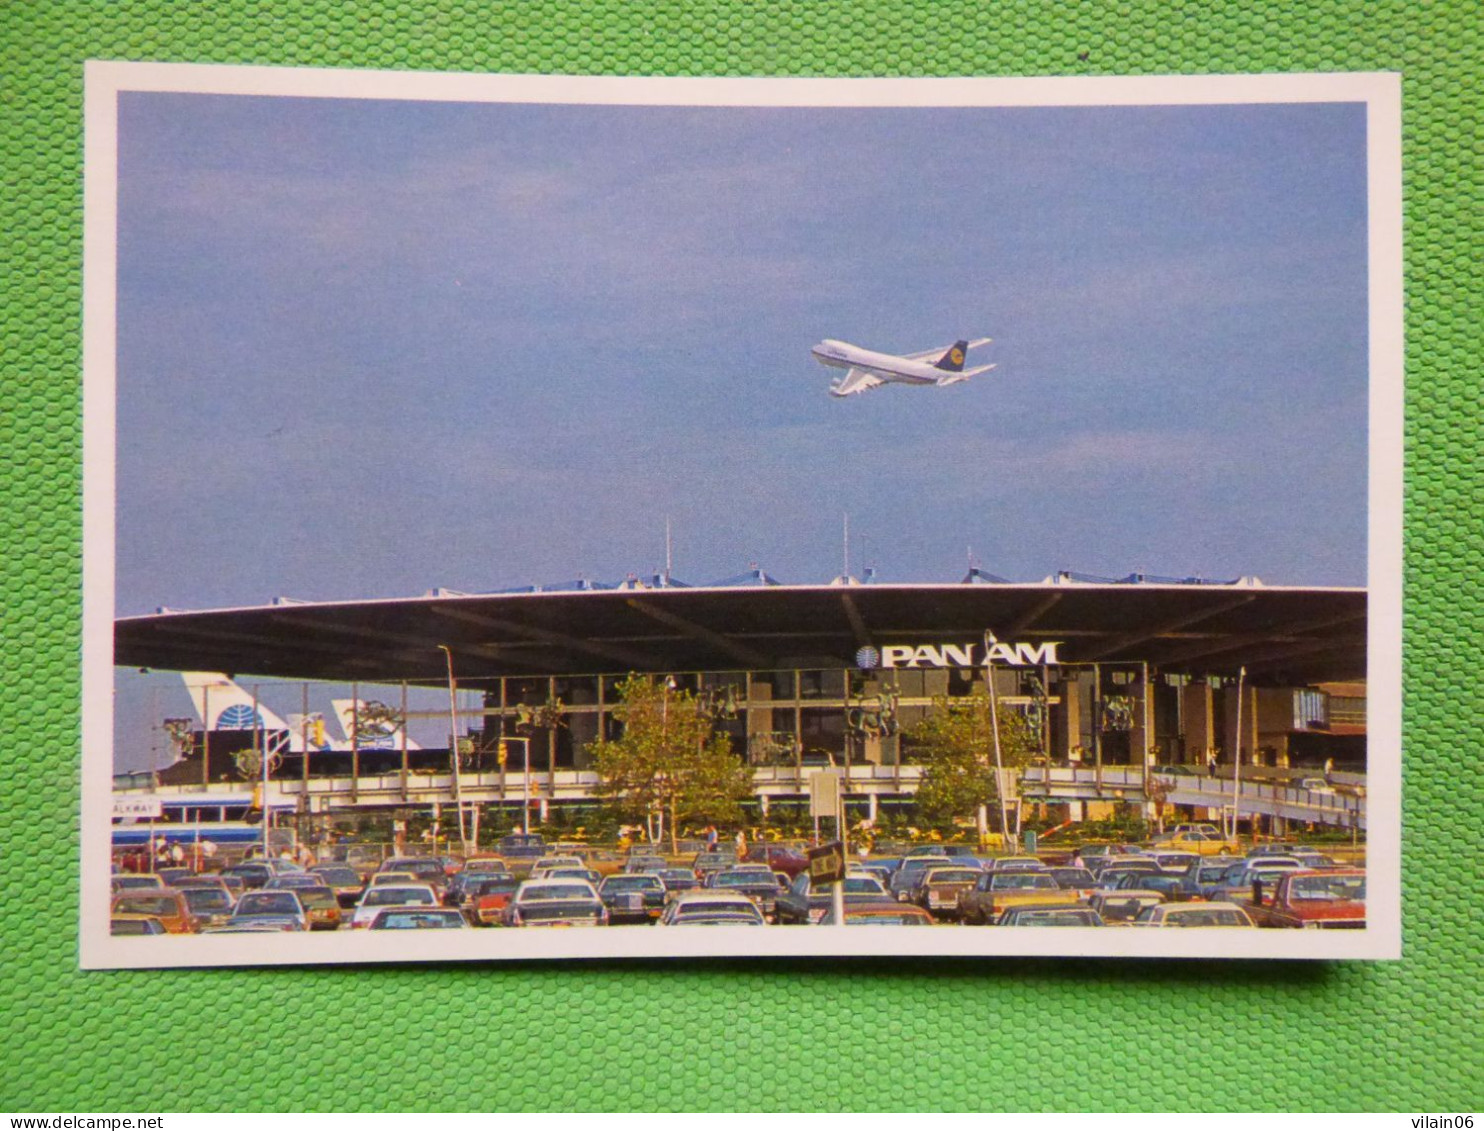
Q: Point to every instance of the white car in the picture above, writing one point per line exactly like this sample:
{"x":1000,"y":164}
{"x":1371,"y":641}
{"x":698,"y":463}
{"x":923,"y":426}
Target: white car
{"x":391,"y":895}
{"x":1314,"y":785}
{"x":556,"y":903}
{"x":712,"y":909}
{"x":1193,"y":915}
{"x":549,"y":862}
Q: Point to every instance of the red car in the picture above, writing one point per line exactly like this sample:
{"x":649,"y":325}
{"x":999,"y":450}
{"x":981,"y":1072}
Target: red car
{"x":1317,"y":899}
{"x":779,"y":858}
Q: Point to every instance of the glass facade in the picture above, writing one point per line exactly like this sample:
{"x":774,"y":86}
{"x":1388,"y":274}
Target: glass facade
{"x":800,"y":717}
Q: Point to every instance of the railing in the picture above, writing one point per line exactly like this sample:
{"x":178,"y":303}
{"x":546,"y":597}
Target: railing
{"x":1198,"y":789}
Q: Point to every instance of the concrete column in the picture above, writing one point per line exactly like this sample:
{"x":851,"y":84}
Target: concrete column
{"x":1071,"y":711}
{"x":1196,"y":705}
{"x":1249,"y":735}
{"x":871,"y":807}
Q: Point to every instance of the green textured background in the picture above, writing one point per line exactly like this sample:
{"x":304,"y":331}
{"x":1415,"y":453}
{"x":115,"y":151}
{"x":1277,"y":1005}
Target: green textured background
{"x":1001,"y":1034}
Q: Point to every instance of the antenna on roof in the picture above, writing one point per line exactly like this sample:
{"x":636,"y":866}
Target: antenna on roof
{"x":667,"y":550}
{"x":846,"y":540}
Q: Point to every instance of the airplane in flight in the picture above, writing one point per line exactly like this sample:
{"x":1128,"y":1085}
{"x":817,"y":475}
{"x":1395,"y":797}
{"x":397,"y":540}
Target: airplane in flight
{"x":866,"y":369}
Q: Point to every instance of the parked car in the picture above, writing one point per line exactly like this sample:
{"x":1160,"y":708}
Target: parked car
{"x":1168,"y":884}
{"x":1091,"y":856}
{"x":1198,"y":841}
{"x":1176,"y":861}
{"x":880,"y":913}
{"x":1123,"y":905}
{"x":1236,"y":882}
{"x":131,"y":924}
{"x":714,"y":861}
{"x":937,"y":890}
{"x":1079,"y":880}
{"x":266,"y":902}
{"x":638,"y":865}
{"x":321,"y":906}
{"x":521,"y":848}
{"x":717,"y":908}
{"x":803,"y":904}
{"x":293,"y":881}
{"x":907,"y":874}
{"x":779,"y":858}
{"x":1140,"y":863}
{"x":590,"y":875}
{"x":1192,"y":915}
{"x":253,"y":876}
{"x":1014,"y":864}
{"x":211,"y":905}
{"x":988,"y":899}
{"x":677,"y":879}
{"x":1313,"y":858}
{"x":486,"y":898}
{"x":137,"y":881}
{"x":393,"y":879}
{"x":476,"y":864}
{"x":428,"y":870}
{"x":165,"y":904}
{"x":545,"y":863}
{"x":257,"y":924}
{"x":556,"y":903}
{"x":753,"y":880}
{"x":343,"y":880}
{"x":1312,"y":899}
{"x":1314,"y":785}
{"x":391,"y":895}
{"x":1048,"y":915}
{"x":633,"y":898}
{"x":418,"y":919}
{"x":954,"y":852}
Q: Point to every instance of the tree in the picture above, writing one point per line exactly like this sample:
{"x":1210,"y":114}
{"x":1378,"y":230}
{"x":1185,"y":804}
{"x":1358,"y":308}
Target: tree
{"x":668,"y":761}
{"x":956,"y":745}
{"x":1158,"y":794}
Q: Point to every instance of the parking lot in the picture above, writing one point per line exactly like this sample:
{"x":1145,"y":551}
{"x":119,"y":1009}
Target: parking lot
{"x":1188,"y":878}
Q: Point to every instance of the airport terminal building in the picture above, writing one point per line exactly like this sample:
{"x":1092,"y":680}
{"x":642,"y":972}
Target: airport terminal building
{"x":1116,"y":674}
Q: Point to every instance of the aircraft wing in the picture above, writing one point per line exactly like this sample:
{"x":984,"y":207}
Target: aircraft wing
{"x":923,"y":355}
{"x":855,"y":381}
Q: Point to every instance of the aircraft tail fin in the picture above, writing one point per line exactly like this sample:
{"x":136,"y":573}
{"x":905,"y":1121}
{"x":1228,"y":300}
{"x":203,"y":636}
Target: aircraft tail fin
{"x":953,"y":359}
{"x":222,"y":705}
{"x":380,"y":729}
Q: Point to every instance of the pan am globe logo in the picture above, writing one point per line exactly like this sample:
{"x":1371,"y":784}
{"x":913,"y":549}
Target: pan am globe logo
{"x":239,"y":716}
{"x":867,"y":658}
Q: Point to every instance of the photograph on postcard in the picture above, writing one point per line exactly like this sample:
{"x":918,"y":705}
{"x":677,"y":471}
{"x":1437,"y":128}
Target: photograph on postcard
{"x":760,"y":505}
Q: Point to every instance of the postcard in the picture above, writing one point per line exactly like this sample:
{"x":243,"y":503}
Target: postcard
{"x":536,"y":517}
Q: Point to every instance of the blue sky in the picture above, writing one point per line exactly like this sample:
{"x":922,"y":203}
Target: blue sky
{"x":369,"y":347}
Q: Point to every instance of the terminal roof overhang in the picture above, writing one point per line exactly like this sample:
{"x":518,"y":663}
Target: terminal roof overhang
{"x":1281,"y":635}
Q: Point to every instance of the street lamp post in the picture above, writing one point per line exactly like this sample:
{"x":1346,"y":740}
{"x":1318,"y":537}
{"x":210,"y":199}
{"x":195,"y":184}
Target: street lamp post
{"x":994,"y":726}
{"x":1237,"y":770}
{"x":453,"y":746}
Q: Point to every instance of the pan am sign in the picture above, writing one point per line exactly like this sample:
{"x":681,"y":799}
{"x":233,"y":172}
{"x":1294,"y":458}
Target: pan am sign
{"x":958,"y":655}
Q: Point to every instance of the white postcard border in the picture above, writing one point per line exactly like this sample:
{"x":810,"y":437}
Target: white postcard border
{"x":1380,"y":92}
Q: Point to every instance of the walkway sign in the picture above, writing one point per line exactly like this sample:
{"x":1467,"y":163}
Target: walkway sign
{"x":137,"y":807}
{"x":826,"y":864}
